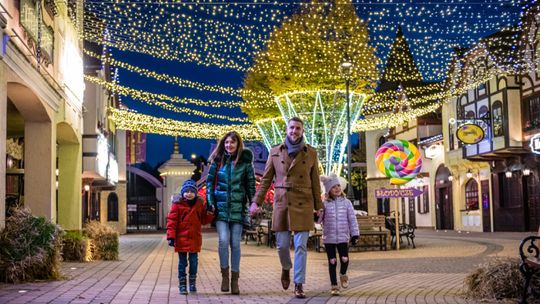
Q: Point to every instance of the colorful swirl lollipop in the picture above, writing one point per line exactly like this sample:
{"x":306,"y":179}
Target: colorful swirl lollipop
{"x":400,"y":160}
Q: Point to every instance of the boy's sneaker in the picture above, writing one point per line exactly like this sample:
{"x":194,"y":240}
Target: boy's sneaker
{"x":334,"y":290}
{"x":344,"y":279}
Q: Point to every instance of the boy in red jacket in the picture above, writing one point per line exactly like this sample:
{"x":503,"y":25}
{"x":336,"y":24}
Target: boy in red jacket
{"x":184,"y":232}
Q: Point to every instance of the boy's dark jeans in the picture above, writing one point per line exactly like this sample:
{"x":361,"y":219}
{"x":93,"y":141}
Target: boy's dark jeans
{"x":183,"y":262}
{"x":343,"y":250}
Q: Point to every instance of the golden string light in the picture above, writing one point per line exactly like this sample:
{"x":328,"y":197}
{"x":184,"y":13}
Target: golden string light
{"x":171,"y":79}
{"x":156,"y":99}
{"x":246,"y":28}
{"x":129,"y":120}
{"x":227,"y":36}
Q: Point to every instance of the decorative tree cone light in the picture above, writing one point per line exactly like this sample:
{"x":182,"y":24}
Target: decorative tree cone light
{"x":399,"y":160}
{"x":325,"y":123}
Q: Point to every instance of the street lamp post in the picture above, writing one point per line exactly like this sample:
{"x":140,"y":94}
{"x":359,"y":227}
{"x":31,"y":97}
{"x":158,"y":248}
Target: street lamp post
{"x":346,"y":67}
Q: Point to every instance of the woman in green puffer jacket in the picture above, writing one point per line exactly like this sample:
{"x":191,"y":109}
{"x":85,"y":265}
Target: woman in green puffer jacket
{"x":230,"y":186}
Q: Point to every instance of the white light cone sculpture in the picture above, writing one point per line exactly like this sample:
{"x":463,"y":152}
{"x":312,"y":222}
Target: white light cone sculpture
{"x":325,"y":123}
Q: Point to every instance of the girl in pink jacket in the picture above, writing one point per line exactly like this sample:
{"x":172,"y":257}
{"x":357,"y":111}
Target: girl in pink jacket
{"x":339,"y":226}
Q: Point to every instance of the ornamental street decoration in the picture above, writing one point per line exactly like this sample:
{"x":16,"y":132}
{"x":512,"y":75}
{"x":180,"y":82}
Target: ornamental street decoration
{"x":397,"y":193}
{"x":470,"y":133}
{"x":535,"y":144}
{"x":400,"y":160}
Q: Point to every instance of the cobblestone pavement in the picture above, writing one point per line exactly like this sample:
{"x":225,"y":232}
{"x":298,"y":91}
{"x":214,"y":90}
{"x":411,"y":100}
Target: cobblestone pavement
{"x":147,"y":273}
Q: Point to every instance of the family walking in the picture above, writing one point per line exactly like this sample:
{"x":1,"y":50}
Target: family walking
{"x":294,"y":169}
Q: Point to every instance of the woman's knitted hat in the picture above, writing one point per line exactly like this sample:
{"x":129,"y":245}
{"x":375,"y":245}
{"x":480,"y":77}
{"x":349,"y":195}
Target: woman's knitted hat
{"x":188,"y":185}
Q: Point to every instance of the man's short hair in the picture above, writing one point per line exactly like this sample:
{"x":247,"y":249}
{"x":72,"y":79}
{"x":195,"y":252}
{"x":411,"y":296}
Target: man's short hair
{"x":297,"y":119}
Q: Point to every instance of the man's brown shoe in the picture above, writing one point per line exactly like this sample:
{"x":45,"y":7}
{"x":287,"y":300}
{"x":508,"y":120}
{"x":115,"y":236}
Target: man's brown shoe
{"x":299,"y":291}
{"x":285,"y":278}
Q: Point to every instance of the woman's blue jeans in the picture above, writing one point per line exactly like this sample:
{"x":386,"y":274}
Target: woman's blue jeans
{"x":230,"y":235}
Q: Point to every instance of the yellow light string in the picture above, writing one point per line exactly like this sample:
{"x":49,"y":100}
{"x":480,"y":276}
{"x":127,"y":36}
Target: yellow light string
{"x":240,"y":36}
{"x":129,"y":120}
{"x":155,"y":99}
{"x":164,"y":77}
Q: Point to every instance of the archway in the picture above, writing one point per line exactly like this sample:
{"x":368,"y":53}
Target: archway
{"x":444,"y":205}
{"x":143,"y":206}
{"x":33,"y":127}
{"x":68,"y":176}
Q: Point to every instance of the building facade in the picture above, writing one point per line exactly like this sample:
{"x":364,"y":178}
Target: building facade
{"x":493,"y":182}
{"x":41,"y":101}
{"x":104,"y":150}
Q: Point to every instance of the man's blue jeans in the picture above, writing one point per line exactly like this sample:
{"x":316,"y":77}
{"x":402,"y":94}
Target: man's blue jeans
{"x":283,"y":243}
{"x":183,"y":261}
{"x":230,"y":235}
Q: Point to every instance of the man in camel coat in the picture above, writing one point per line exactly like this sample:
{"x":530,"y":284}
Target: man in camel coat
{"x":294,"y":167}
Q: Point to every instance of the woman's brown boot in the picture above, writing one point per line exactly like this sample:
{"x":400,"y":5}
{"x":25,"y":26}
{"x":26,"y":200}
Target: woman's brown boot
{"x":225,"y":279}
{"x":234,"y":283}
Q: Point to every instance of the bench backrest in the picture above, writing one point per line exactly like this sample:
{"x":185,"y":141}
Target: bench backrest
{"x":366,"y":222}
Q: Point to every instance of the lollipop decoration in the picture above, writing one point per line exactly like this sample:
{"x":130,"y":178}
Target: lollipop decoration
{"x":400,"y":160}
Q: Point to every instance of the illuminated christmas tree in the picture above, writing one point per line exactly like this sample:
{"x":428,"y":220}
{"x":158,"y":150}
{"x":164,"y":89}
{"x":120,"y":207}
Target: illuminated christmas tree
{"x":298,"y":74}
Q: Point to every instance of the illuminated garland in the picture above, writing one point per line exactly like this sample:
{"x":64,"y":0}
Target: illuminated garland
{"x":154,"y":99}
{"x":175,"y":79}
{"x":231,"y":32}
{"x":164,"y":77}
{"x":391,"y":120}
{"x":228,"y":34}
{"x":129,"y":120}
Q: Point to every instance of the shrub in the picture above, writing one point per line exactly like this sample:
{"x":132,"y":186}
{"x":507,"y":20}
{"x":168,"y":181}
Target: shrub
{"x":104,"y":239}
{"x":497,"y":279}
{"x":30,"y":248}
{"x":77,"y":247}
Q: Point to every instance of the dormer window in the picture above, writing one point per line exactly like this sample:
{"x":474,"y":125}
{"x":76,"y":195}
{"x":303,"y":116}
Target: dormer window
{"x":482,"y":89}
{"x":497,"y":119}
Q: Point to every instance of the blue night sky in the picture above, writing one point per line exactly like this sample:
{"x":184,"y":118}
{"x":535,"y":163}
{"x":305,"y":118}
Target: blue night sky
{"x":159,"y":147}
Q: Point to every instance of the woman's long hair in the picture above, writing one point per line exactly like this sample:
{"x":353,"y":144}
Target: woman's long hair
{"x":219,"y":151}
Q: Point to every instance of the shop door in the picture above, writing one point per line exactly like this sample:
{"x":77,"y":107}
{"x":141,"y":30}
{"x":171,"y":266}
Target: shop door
{"x":412,"y":213}
{"x":445,"y":215}
{"x":532,"y":201}
{"x":486,"y":218}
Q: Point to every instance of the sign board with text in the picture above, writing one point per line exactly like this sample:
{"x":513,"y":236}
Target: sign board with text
{"x":397,"y":193}
{"x":535,"y":144}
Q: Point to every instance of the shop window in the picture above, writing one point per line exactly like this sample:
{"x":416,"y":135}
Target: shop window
{"x":471,"y":195}
{"x":112,"y":207}
{"x":532,"y":113}
{"x":497,"y":119}
{"x":470,"y":115}
{"x":482,"y":89}
{"x":423,"y":201}
{"x":483,"y":111}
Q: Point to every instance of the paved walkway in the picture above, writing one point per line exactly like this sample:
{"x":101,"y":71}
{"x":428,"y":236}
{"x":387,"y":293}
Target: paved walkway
{"x":146,"y":273}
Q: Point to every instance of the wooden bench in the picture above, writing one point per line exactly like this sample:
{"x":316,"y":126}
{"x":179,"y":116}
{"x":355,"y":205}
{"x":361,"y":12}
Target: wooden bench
{"x":266,"y":231}
{"x":254,"y":233}
{"x":372,"y":226}
{"x":530,"y":265}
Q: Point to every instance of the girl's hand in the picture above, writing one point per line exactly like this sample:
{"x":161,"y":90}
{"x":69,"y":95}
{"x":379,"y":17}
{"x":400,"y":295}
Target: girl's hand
{"x":354,"y":240}
{"x":171,"y":242}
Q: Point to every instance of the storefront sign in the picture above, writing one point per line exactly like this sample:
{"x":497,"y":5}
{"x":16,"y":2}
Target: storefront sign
{"x":470,"y":134}
{"x":397,"y":193}
{"x":535,"y":144}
